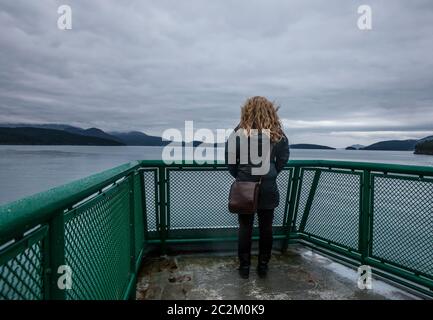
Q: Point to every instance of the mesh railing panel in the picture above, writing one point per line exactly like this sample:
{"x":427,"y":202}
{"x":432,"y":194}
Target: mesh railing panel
{"x":199,"y":199}
{"x":335,"y":210}
{"x":283,"y":182}
{"x":97,"y":246}
{"x":138,"y":214}
{"x":21,"y":277}
{"x":149,"y":177}
{"x":403,"y":222}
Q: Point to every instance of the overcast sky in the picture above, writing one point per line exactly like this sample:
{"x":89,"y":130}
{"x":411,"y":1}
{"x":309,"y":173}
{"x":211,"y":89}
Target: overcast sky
{"x":151,"y":65}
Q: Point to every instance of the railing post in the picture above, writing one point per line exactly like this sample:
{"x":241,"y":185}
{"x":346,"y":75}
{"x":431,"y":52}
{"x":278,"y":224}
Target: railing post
{"x":162,"y":180}
{"x":290,"y":207}
{"x":131,"y":178}
{"x":364,"y":219}
{"x":56,"y":249}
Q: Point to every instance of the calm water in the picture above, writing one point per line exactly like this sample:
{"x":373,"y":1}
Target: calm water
{"x":25,"y":170}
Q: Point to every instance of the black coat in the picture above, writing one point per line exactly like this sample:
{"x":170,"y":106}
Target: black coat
{"x":269,"y":196}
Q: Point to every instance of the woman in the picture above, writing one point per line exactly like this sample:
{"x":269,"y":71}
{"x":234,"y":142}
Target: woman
{"x":260,"y":114}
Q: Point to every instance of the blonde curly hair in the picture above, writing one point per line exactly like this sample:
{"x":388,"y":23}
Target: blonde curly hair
{"x":261,"y":114}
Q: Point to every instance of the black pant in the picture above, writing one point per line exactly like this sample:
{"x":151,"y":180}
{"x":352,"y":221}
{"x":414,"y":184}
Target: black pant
{"x":246,"y":222}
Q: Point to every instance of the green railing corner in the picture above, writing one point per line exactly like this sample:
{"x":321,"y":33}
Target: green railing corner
{"x":360,"y":213}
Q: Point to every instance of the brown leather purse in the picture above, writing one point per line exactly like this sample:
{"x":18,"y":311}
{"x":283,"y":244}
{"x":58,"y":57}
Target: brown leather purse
{"x":244,"y":197}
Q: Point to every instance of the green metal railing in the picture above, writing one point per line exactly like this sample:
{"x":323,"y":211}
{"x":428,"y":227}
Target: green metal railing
{"x":94,"y":226}
{"x":361,"y":213}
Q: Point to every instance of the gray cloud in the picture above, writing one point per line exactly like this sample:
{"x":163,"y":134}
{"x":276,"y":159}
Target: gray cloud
{"x":151,"y":65}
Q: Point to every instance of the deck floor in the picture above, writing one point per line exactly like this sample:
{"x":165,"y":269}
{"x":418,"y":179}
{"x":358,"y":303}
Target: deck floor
{"x":300,"y":273}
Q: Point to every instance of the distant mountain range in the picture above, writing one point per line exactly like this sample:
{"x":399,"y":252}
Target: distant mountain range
{"x":64,"y":134}
{"x":61,"y":134}
{"x":422,"y":146}
{"x":40,"y":136}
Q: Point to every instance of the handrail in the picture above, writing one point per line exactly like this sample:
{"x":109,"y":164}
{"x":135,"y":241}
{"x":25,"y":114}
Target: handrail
{"x":356,"y":165}
{"x":371,"y":166}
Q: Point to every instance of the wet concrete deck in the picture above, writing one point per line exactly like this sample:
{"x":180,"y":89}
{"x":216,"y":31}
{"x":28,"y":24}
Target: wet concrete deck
{"x":300,"y":273}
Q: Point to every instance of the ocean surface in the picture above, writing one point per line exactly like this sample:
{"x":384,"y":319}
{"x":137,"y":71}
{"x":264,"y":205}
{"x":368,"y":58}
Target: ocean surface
{"x":25,"y":170}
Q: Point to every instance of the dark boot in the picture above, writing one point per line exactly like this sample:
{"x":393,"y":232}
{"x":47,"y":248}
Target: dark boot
{"x":244,"y":265}
{"x":262,"y":265}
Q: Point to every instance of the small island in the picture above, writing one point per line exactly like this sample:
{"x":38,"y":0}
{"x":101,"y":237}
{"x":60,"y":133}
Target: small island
{"x":393,"y":145}
{"x":310,"y":146}
{"x":425,"y":146}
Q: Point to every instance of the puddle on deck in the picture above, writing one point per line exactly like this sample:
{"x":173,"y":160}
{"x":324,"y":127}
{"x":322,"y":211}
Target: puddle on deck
{"x":300,"y":273}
